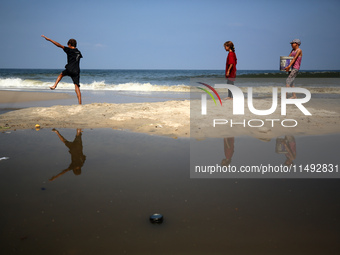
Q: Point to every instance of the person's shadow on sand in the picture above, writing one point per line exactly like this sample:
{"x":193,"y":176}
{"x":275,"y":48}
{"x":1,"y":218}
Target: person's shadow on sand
{"x":76,"y":151}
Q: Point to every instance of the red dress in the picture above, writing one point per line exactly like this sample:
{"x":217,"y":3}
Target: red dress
{"x":231,"y":59}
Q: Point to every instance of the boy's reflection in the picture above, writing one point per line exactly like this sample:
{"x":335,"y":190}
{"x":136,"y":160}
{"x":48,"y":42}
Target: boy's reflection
{"x":228,"y":150}
{"x":76,"y":151}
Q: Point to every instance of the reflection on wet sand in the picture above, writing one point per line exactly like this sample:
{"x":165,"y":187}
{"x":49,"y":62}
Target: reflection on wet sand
{"x":107,"y":211}
{"x":287,"y":146}
{"x":76,"y":151}
{"x":228,"y":150}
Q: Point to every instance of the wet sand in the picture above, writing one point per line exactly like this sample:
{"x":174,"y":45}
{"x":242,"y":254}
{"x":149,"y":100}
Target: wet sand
{"x":104,"y":208}
{"x":20,"y":96}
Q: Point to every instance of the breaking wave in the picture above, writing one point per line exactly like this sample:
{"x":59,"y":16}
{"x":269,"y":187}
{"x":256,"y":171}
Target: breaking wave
{"x":19,"y":84}
{"x":30,"y":84}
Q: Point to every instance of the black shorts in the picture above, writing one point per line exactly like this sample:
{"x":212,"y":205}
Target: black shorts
{"x":74,"y":76}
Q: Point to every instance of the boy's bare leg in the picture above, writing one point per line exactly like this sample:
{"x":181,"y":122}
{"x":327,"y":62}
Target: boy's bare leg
{"x":77,"y":89}
{"x":60,"y":76}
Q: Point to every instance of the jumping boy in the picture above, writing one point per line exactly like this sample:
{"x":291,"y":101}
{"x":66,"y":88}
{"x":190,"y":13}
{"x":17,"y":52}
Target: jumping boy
{"x":72,"y":67}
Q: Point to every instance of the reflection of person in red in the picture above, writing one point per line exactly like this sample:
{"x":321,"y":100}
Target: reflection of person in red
{"x":228,"y":150}
{"x":76,"y":151}
{"x":290,"y":145}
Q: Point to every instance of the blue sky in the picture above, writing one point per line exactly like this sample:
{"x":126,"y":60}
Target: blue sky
{"x":169,"y":34}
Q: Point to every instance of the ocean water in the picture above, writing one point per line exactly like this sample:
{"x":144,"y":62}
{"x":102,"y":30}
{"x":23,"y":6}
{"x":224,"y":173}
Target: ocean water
{"x":174,"y":81}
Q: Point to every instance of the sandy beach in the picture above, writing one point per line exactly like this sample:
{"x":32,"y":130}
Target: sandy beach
{"x":169,"y":118}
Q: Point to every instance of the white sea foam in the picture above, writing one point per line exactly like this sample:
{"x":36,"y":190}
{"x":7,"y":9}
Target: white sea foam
{"x":149,"y":87}
{"x":313,"y":90}
{"x":17,"y":83}
{"x":27,"y":84}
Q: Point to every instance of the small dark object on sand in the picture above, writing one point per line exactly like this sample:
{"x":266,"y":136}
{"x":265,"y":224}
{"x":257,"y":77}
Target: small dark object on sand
{"x":156,"y":218}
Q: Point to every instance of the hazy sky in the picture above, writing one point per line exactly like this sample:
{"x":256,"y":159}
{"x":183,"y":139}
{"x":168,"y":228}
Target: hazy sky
{"x":169,"y":34}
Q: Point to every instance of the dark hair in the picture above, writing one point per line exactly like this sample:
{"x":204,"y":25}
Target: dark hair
{"x":230,"y":45}
{"x":72,"y":42}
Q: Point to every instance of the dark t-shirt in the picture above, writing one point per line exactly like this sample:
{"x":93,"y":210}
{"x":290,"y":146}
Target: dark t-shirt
{"x":231,"y":59}
{"x":73,"y":59}
{"x":77,"y":156}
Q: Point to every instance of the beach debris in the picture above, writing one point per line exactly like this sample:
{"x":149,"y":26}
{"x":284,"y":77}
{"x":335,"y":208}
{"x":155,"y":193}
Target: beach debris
{"x":156,"y":218}
{"x":4,"y":158}
{"x":5,"y":127}
{"x":37,"y":127}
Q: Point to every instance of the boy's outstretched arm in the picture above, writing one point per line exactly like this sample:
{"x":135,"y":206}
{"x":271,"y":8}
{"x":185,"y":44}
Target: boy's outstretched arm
{"x":54,"y":42}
